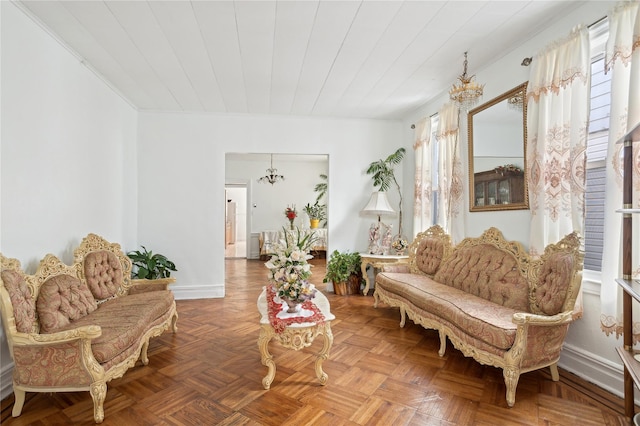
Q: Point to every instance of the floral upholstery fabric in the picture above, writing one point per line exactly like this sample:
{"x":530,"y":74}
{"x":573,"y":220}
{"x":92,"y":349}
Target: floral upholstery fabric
{"x":63,"y":299}
{"x":487,"y":272}
{"x":487,"y":322}
{"x":553,"y":283}
{"x":51,"y":365}
{"x":393,"y":267}
{"x":429,"y":255}
{"x":544,"y":345}
{"x":134,"y":313}
{"x":103,"y":273}
{"x":24,"y":306}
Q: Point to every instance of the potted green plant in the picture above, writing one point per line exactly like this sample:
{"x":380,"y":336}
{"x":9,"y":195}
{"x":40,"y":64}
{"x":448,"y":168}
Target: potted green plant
{"x":316,"y":213}
{"x":343,"y":270}
{"x":148,"y":266}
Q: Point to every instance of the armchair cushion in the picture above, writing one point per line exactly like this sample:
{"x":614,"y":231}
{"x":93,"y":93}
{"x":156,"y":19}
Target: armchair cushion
{"x":63,"y":299}
{"x":24,"y":306}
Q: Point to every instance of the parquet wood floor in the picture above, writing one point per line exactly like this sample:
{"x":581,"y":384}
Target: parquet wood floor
{"x":379,"y":374}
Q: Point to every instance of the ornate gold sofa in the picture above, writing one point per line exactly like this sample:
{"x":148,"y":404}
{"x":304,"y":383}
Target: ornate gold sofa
{"x":75,"y":328}
{"x":494,"y":302}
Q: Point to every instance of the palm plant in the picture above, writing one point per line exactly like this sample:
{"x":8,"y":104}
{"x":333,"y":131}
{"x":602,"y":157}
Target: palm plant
{"x":383,"y":177}
{"x":321,"y":188}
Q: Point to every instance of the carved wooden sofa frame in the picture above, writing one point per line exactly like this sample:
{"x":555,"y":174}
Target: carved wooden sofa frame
{"x":66,"y":360}
{"x":539,"y":335}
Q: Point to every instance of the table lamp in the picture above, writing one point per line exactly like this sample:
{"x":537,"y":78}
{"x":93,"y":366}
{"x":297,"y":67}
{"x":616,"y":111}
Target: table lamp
{"x":379,"y":232}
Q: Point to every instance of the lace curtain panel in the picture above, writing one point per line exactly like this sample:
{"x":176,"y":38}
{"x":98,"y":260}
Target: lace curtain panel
{"x":450,"y":196}
{"x":422,"y":218}
{"x":557,"y":119}
{"x":622,"y":60}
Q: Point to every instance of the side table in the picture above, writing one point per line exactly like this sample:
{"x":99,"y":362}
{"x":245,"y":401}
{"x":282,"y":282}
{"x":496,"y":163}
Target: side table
{"x":295,"y":336}
{"x":375,"y":260}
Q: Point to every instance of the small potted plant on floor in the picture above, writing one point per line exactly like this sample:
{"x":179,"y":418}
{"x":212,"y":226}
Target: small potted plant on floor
{"x":316,"y":213}
{"x":343,"y":270}
{"x":150,"y":268}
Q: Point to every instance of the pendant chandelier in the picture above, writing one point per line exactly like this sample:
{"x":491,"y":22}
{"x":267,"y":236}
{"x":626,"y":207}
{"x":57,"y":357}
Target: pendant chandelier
{"x":272,"y":175}
{"x":467,"y":92}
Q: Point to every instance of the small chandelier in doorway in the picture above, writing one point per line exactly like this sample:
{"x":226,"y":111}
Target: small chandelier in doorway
{"x":272,"y":175}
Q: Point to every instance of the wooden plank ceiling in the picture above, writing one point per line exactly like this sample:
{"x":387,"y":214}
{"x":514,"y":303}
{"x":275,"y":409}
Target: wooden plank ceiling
{"x":364,"y":59}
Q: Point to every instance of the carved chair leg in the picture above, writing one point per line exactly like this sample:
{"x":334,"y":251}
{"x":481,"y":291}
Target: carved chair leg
{"x":403,"y":316}
{"x":98,"y":393}
{"x":174,"y":323}
{"x":443,"y":342}
{"x":144,"y":357}
{"x":555,"y":376}
{"x":19,"y":396}
{"x":511,"y":377}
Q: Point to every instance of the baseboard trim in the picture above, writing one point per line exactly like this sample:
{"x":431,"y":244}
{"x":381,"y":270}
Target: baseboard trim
{"x":6,"y":379}
{"x":198,"y":292}
{"x":602,"y":372}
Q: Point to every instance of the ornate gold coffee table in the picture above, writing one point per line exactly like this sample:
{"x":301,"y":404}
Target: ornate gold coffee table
{"x":294,"y":335}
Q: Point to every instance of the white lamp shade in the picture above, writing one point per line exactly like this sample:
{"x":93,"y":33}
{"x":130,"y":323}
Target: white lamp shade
{"x":378,"y":204}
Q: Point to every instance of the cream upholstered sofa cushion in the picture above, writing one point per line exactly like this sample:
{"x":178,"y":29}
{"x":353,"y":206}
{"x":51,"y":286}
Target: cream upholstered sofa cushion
{"x":488,"y":322}
{"x":487,"y":272}
{"x":63,"y":299}
{"x":553,"y":282}
{"x":429,"y":255}
{"x":24,"y":305}
{"x":123,"y":321}
{"x":103,"y":273}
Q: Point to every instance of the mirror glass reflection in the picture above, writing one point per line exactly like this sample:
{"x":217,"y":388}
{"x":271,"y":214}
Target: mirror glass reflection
{"x":497,"y":146}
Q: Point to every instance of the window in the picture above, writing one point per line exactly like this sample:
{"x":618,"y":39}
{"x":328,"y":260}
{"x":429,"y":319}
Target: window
{"x":597,"y":140}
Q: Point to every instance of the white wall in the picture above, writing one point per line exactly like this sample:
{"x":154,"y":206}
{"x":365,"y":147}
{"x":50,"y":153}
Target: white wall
{"x":588,"y":352}
{"x":185,"y":164}
{"x":67,"y":153}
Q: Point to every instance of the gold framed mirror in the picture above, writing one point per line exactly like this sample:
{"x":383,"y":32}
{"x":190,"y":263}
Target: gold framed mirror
{"x":497,"y":147}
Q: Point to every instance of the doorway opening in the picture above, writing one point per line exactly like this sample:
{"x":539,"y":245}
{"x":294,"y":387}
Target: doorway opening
{"x":235,"y":204}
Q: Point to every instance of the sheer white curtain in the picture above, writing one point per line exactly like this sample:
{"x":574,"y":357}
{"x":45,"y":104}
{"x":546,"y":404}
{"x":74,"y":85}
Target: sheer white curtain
{"x":623,"y":62}
{"x":557,"y":118}
{"x":422,"y":217}
{"x":450,"y":197}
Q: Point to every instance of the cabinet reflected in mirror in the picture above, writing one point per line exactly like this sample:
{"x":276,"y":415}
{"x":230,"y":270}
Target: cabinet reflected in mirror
{"x":497,"y":146}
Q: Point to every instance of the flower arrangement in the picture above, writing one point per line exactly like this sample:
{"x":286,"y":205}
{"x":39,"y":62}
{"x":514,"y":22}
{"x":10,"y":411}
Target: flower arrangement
{"x":291,"y":213}
{"x":400,"y":244}
{"x":289,"y":270}
{"x":508,"y":168}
